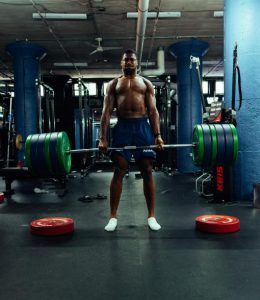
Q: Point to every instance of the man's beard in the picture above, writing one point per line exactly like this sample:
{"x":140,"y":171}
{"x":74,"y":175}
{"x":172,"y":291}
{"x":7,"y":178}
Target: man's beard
{"x":129,"y":71}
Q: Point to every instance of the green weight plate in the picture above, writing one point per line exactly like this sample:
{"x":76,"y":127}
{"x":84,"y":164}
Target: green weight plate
{"x":198,"y":150}
{"x":214,"y":144}
{"x":235,"y":138}
{"x":47,"y":152}
{"x":63,"y":144}
{"x":207,"y":146}
{"x":28,"y":153}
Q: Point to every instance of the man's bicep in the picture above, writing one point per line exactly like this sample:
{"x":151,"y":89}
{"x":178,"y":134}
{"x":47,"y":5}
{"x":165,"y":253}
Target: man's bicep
{"x":108,"y":104}
{"x":109,"y":99}
{"x":150,"y":100}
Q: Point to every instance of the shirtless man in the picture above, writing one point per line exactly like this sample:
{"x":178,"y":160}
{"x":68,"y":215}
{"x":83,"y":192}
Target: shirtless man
{"x":133,"y":98}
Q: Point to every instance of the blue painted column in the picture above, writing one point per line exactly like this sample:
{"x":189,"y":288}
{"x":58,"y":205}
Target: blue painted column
{"x":189,"y":97}
{"x":241,"y":20}
{"x":26,"y":59}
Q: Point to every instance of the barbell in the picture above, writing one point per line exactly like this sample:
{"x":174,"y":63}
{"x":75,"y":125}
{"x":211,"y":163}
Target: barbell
{"x":49,"y":154}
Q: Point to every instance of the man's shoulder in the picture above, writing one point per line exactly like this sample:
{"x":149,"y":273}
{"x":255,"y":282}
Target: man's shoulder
{"x":145,"y":80}
{"x":114,"y":80}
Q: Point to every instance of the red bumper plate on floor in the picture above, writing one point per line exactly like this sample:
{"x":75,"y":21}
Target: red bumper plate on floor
{"x":2,"y":197}
{"x":52,"y":226}
{"x":217,"y":223}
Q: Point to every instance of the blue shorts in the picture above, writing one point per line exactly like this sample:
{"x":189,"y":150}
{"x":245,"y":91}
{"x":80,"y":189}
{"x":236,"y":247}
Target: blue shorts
{"x":133,"y":132}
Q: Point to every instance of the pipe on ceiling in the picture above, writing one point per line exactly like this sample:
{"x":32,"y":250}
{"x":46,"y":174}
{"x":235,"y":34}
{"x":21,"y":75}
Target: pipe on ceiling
{"x":160,"y":65}
{"x":143,"y":6}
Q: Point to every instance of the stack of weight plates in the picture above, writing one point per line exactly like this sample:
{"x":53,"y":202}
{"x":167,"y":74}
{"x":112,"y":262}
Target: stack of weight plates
{"x":45,"y":154}
{"x":216,"y":144}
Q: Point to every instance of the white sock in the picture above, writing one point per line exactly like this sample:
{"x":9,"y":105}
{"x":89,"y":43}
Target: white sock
{"x":111,"y":225}
{"x":152,"y":223}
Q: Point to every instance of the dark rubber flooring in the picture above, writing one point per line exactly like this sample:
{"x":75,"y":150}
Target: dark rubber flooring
{"x":133,"y":262}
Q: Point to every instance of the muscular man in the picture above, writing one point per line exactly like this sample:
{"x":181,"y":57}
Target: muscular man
{"x":133,"y":98}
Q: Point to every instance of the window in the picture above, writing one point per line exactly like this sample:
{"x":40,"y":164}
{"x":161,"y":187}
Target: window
{"x":104,"y":88}
{"x":205,"y":87}
{"x":219,"y":87}
{"x":91,"y":86}
{"x":42,"y":90}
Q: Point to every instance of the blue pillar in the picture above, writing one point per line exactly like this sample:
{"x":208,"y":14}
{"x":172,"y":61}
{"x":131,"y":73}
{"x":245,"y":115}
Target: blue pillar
{"x":189,"y":97}
{"x":26,"y":58}
{"x":241,"y":20}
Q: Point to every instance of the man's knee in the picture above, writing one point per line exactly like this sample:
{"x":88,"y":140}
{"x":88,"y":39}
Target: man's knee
{"x":146,"y":171}
{"x":119,"y":172}
{"x":120,"y":168}
{"x":147,"y":175}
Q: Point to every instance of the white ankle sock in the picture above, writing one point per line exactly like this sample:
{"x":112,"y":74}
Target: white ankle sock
{"x":111,"y":225}
{"x":152,"y":223}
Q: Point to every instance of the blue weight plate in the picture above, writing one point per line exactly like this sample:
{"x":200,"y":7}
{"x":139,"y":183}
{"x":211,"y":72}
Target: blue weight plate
{"x":221,"y":144}
{"x":33,"y":154}
{"x":57,"y":169}
{"x":43,"y":169}
{"x":207,"y":145}
{"x":229,"y":145}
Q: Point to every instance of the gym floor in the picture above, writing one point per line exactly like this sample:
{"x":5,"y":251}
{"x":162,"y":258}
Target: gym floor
{"x":133,"y":262}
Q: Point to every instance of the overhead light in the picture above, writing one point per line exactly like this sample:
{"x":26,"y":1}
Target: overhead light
{"x":69,"y":65}
{"x":218,"y":14}
{"x":59,"y":16}
{"x":153,"y":14}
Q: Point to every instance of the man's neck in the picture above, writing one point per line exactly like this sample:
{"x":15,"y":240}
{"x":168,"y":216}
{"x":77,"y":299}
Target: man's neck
{"x":130,"y":76}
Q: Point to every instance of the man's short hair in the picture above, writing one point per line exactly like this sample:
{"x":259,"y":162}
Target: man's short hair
{"x":129,"y":51}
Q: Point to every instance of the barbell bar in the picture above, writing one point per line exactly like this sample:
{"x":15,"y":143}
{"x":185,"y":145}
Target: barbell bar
{"x":131,"y":148}
{"x":49,"y":154}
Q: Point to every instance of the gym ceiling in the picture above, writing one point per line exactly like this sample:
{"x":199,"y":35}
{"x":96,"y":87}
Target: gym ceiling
{"x":70,"y":42}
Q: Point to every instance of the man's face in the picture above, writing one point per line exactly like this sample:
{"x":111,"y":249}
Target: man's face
{"x":129,"y":63}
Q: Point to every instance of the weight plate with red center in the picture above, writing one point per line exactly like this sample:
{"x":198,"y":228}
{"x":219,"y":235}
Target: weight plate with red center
{"x":217,"y":223}
{"x":52,"y":226}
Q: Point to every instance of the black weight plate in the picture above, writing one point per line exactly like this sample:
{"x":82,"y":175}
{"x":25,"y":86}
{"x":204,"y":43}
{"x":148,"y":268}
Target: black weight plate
{"x":27,"y":153}
{"x":33,"y":154}
{"x":229,"y":145}
{"x":57,"y":169}
{"x":221,"y":144}
{"x":207,"y":145}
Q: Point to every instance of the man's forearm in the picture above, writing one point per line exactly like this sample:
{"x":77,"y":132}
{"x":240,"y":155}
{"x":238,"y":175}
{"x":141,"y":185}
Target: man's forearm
{"x":104,"y":122}
{"x":155,"y":122}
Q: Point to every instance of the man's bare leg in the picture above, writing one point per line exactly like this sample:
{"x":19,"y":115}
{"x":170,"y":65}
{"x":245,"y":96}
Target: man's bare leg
{"x":120,"y":169}
{"x":145,"y":166}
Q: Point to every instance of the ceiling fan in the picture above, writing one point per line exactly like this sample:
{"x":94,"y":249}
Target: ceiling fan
{"x":99,"y":48}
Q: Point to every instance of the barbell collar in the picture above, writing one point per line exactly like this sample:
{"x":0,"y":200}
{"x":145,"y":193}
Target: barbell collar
{"x":131,"y":148}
